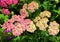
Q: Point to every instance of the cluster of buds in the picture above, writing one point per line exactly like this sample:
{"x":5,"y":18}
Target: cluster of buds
{"x":53,"y":28}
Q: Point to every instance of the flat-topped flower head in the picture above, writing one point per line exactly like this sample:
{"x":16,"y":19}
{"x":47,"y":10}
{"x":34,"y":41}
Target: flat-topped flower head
{"x":37,"y":19}
{"x":53,"y":28}
{"x":24,"y":13}
{"x":25,"y":6}
{"x":31,"y":27}
{"x":45,"y":14}
{"x":32,"y":6}
{"x":5,"y":3}
{"x":5,"y":11}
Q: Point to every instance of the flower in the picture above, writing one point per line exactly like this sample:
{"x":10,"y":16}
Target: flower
{"x":17,"y":25}
{"x":37,"y":19}
{"x":45,"y":14}
{"x":5,"y":11}
{"x":15,"y":1}
{"x":17,"y":30}
{"x":8,"y":25}
{"x":42,"y":24}
{"x":23,"y":13}
{"x":8,"y":2}
{"x":53,"y":28}
{"x":3,"y":4}
{"x":32,"y":6}
{"x":25,"y":6}
{"x":32,"y":27}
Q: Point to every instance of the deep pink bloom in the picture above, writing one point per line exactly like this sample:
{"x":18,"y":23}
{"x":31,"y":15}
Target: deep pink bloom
{"x":9,"y":2}
{"x":5,"y":11}
{"x":15,"y":1}
{"x":3,"y":4}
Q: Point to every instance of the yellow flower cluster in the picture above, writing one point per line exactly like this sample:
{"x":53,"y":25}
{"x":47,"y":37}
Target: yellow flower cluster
{"x":42,"y":24}
{"x":32,"y":27}
{"x":53,"y":28}
{"x":45,"y":14}
{"x":42,"y":20}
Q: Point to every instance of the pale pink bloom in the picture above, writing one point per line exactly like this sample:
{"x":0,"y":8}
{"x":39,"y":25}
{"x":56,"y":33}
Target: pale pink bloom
{"x":32,"y":6}
{"x":31,"y":9}
{"x":54,"y":24}
{"x":24,"y":13}
{"x":5,"y":11}
{"x":15,"y":1}
{"x":17,"y":30}
{"x":53,"y":28}
{"x":25,"y":6}
{"x":8,"y":25}
{"x":27,"y":21}
{"x":53,"y":32}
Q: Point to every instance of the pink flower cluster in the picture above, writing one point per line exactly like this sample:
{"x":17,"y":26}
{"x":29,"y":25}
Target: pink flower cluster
{"x":17,"y":24}
{"x":5,"y":3}
{"x":5,"y":11}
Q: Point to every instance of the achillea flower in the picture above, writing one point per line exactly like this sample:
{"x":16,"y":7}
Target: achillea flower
{"x":25,"y":6}
{"x":5,"y":11}
{"x":24,"y":13}
{"x":3,"y":4}
{"x":53,"y":28}
{"x":44,"y":20}
{"x":8,"y":25}
{"x":53,"y":32}
{"x":15,"y":1}
{"x":31,"y":28}
{"x":17,"y":30}
{"x":32,"y":6}
{"x":37,"y":19}
{"x":27,"y":21}
{"x":8,"y":2}
{"x":31,"y":9}
{"x":42,"y":24}
{"x":45,"y":14}
{"x":17,"y":25}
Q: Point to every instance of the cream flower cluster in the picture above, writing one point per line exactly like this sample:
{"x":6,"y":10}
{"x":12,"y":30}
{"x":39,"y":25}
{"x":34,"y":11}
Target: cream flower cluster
{"x":53,"y":28}
{"x":42,"y":20}
{"x":31,"y":6}
{"x":31,"y":27}
{"x":45,"y":14}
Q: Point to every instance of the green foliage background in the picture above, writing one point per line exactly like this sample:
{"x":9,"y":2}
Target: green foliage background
{"x":38,"y":36}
